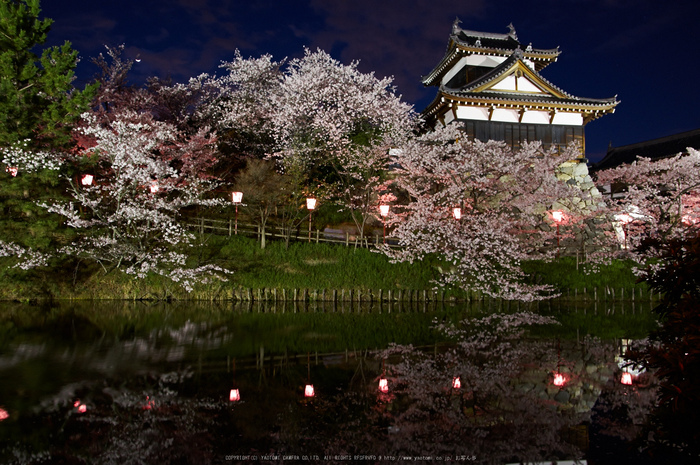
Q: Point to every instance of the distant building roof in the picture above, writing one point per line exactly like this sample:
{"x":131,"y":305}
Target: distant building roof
{"x":654,"y":149}
{"x":464,"y":41}
{"x":548,"y":97}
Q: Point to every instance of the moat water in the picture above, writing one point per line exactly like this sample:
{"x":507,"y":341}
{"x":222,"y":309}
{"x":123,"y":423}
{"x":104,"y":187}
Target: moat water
{"x":140,"y":382}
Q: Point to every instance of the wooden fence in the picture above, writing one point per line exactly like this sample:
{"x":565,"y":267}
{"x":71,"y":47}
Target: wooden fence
{"x":335,"y":236}
{"x":240,"y":294}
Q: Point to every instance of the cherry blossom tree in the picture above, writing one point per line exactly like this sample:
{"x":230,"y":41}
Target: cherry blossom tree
{"x":144,"y":174}
{"x":505,"y":199}
{"x":660,"y":200}
{"x":341,"y":124}
{"x":238,"y":105}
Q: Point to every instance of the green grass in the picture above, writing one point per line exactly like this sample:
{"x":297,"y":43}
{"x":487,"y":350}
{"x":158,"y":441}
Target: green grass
{"x":303,"y":265}
{"x":563,"y":274}
{"x":316,"y":266}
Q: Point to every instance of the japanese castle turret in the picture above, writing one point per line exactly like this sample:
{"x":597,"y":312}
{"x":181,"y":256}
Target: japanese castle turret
{"x":492,"y":84}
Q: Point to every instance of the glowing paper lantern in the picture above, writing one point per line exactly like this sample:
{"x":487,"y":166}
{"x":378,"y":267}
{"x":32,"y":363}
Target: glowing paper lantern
{"x":559,"y":379}
{"x":457,"y":213}
{"x":558,"y":216}
{"x":86,"y":179}
{"x":624,"y":218}
{"x":456,"y":382}
{"x":309,"y":391}
{"x":12,"y":170}
{"x":384,"y":385}
{"x":3,"y":414}
{"x":235,"y":395}
{"x":626,"y":378}
{"x":237,"y":197}
{"x":384,"y":210}
{"x":154,"y":187}
{"x":310,"y":203}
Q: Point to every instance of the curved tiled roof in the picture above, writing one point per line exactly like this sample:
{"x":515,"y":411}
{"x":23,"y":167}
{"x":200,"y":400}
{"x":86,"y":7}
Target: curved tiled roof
{"x":466,"y":41}
{"x":505,"y":67}
{"x":655,"y":149}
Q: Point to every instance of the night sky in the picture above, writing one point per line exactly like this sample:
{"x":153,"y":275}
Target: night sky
{"x":644,"y":51}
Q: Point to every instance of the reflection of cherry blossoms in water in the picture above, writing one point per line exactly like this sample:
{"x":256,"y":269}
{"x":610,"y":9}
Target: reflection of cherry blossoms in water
{"x":489,"y":394}
{"x":520,"y":399}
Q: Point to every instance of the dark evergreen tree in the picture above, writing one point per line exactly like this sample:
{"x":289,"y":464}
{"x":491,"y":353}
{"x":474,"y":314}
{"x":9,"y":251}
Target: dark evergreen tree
{"x":38,"y":109}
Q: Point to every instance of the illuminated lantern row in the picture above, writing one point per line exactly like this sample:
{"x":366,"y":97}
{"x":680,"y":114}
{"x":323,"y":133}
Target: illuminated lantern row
{"x":309,"y":391}
{"x":12,"y":170}
{"x":234,"y":395}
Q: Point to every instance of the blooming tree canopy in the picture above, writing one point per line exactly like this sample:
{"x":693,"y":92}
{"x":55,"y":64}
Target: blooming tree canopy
{"x":341,"y":124}
{"x":661,"y":198}
{"x":145,"y":173}
{"x":504,"y":197}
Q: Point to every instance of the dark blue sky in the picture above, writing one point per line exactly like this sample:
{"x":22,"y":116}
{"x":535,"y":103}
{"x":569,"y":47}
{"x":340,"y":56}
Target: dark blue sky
{"x":643,"y":51}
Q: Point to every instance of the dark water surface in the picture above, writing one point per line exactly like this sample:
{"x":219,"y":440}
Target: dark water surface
{"x":125,"y":382}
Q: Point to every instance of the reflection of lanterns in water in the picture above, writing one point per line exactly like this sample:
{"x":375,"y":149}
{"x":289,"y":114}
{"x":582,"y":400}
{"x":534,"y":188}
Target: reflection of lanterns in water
{"x":383,"y":385}
{"x":3,"y":414}
{"x":626,"y":378}
{"x":456,"y":382}
{"x":149,"y":403}
{"x":309,"y":391}
{"x":559,"y":379}
{"x":82,"y":408}
{"x":235,"y":394}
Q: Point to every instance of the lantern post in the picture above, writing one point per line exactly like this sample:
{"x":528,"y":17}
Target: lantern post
{"x":558,"y":217}
{"x":625,"y":219}
{"x":310,"y":205}
{"x":236,"y":197}
{"x":384,"y":212}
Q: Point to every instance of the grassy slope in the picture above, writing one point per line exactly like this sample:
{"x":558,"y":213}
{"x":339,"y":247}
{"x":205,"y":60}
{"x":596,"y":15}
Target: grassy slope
{"x":302,"y":266}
